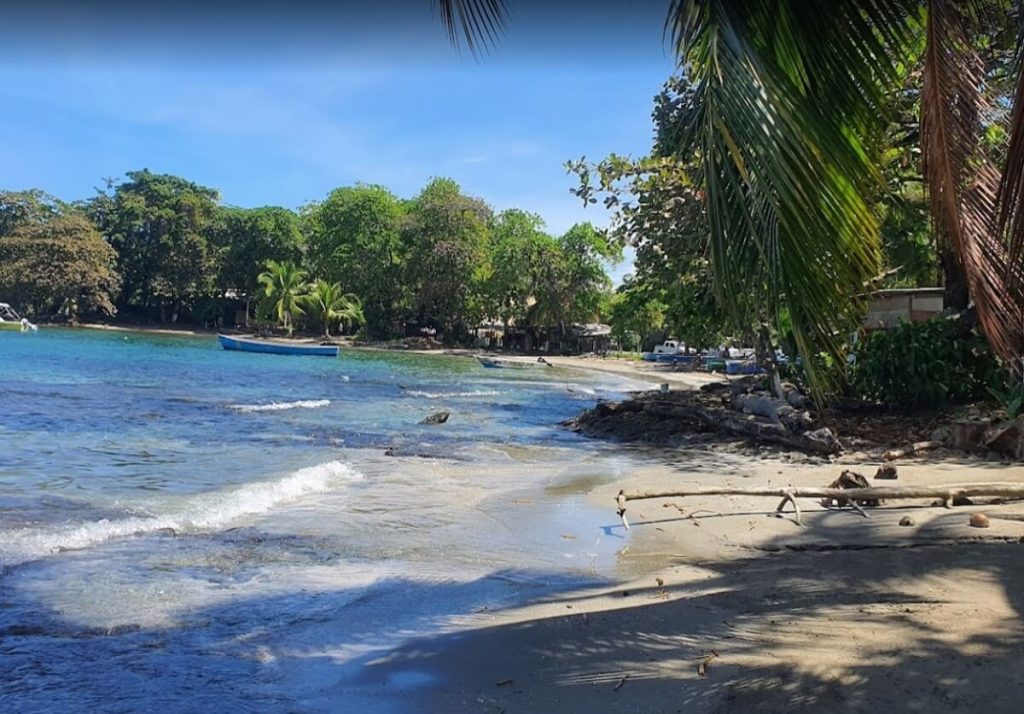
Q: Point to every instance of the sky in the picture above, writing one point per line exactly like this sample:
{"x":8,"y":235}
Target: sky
{"x":278,"y":104}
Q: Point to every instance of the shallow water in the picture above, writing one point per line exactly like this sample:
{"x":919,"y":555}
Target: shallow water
{"x":183,"y":527}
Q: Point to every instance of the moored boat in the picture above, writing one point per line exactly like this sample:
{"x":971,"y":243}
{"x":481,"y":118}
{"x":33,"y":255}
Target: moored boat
{"x":10,"y":321}
{"x":501,"y":363}
{"x":244,"y":344}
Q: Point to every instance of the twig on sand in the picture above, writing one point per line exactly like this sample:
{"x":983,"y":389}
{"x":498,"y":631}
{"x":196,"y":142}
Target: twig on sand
{"x":702,"y":668}
{"x":622,"y":681}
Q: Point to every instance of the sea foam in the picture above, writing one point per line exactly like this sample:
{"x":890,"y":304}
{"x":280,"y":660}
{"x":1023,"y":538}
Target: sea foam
{"x":449,"y":395}
{"x":282,"y":406}
{"x":208,"y":511}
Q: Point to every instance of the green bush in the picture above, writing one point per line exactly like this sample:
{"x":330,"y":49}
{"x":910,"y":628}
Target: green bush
{"x":924,"y":364}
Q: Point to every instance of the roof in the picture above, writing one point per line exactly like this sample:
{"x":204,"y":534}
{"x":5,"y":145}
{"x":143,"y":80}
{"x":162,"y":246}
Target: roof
{"x":896,"y":292}
{"x":593,"y":329}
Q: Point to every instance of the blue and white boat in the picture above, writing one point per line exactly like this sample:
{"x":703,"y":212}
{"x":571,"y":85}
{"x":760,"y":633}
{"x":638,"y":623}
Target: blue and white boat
{"x":243,"y":344}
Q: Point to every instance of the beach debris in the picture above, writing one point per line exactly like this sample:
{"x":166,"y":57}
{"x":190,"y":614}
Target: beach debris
{"x":948,"y":495}
{"x":622,"y":681}
{"x":502,"y":682}
{"x":702,"y":668}
{"x":907,"y":521}
{"x":660,"y":582}
{"x":437,"y":418}
{"x":849,"y":480}
{"x":915,"y":448}
{"x":886,"y":472}
{"x":979,"y":520}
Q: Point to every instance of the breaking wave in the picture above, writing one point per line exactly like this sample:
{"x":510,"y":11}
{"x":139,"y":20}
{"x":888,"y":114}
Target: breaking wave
{"x":449,"y":395}
{"x":282,"y":406}
{"x":202,"y":512}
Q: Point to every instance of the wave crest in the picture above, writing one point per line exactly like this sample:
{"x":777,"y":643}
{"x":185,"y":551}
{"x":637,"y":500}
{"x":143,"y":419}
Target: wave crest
{"x":202,"y":512}
{"x":281,"y":406}
{"x":449,"y":395}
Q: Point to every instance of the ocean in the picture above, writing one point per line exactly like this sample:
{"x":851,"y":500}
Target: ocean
{"x":187,"y":529}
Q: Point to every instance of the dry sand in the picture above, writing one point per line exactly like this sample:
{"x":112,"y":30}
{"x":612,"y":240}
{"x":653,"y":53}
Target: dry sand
{"x":845,"y":614}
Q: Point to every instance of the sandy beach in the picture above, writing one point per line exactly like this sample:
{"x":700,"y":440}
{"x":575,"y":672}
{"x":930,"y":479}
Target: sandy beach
{"x":731,"y":609}
{"x":723,"y":606}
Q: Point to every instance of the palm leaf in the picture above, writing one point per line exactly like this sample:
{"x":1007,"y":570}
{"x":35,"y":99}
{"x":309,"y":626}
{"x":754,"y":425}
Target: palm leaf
{"x":963,"y":186}
{"x":1011,"y":194}
{"x":784,"y":114}
{"x":475,"y":22}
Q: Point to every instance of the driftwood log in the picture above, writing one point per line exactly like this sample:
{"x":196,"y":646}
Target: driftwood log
{"x":778,"y":410}
{"x":947,"y":494}
{"x":914,"y":448}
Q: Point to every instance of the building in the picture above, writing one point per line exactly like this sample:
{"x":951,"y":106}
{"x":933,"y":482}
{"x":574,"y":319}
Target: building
{"x":889,"y":308}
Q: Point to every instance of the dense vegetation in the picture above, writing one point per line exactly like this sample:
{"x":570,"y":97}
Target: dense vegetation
{"x":159,"y":248}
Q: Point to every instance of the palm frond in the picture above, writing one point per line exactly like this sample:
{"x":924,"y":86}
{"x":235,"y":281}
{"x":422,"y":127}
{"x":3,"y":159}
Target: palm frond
{"x":784,"y":112}
{"x":963,"y":186}
{"x":477,"y":23}
{"x":1011,"y":193}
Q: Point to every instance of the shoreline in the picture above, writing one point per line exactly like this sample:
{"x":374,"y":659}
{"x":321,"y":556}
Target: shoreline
{"x":847,"y":612}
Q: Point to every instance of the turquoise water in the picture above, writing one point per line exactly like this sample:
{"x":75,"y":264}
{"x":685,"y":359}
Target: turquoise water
{"x":183,"y":527}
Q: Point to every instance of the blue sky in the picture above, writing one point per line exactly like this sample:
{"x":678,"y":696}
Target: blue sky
{"x":280,"y":105}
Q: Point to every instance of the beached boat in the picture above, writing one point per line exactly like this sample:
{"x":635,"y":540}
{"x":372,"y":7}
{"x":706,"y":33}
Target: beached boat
{"x":244,"y":344}
{"x":499,"y":363}
{"x":10,"y":321}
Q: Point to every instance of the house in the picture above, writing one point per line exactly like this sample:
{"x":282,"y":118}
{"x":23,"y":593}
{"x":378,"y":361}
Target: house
{"x":593,"y":337}
{"x":891,"y":307}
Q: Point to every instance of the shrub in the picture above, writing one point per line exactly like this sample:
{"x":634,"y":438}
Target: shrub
{"x":924,"y":364}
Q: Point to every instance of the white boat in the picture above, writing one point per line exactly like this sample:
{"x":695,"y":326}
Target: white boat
{"x":503,"y":363}
{"x":10,"y":321}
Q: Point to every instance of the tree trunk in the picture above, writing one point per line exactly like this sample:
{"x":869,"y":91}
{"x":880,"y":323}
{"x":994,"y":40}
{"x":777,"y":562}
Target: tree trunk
{"x":954,"y":281}
{"x":766,"y":358}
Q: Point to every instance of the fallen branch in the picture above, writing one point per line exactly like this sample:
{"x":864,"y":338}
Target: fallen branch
{"x":912,"y":449}
{"x":947,"y":494}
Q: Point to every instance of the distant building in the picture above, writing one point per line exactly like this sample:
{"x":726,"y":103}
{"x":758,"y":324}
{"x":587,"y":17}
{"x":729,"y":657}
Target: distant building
{"x":594,"y":337}
{"x":889,"y":308}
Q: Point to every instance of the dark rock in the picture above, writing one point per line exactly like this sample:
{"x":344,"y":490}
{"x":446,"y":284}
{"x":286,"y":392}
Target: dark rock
{"x":907,"y":521}
{"x":962,"y":501}
{"x":886,"y":472}
{"x":437,"y":418}
{"x":967,"y":435}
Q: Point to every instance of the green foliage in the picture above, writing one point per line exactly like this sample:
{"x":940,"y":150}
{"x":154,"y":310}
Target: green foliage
{"x":925,"y":364}
{"x":449,"y":257}
{"x":60,"y":266}
{"x":33,"y":207}
{"x":157,"y":224}
{"x":285,"y":292}
{"x":520,"y":254}
{"x":242,"y":240}
{"x":354,"y":238}
{"x":1011,"y":397}
{"x":330,"y":304}
{"x":441,"y":260}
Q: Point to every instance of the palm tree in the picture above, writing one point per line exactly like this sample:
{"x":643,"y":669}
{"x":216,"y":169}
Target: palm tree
{"x":792,"y":97}
{"x":284,"y":288}
{"x":331,"y":305}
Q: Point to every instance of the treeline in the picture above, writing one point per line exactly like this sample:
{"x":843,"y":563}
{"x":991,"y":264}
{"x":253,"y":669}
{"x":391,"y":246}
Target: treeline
{"x":160,"y":248}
